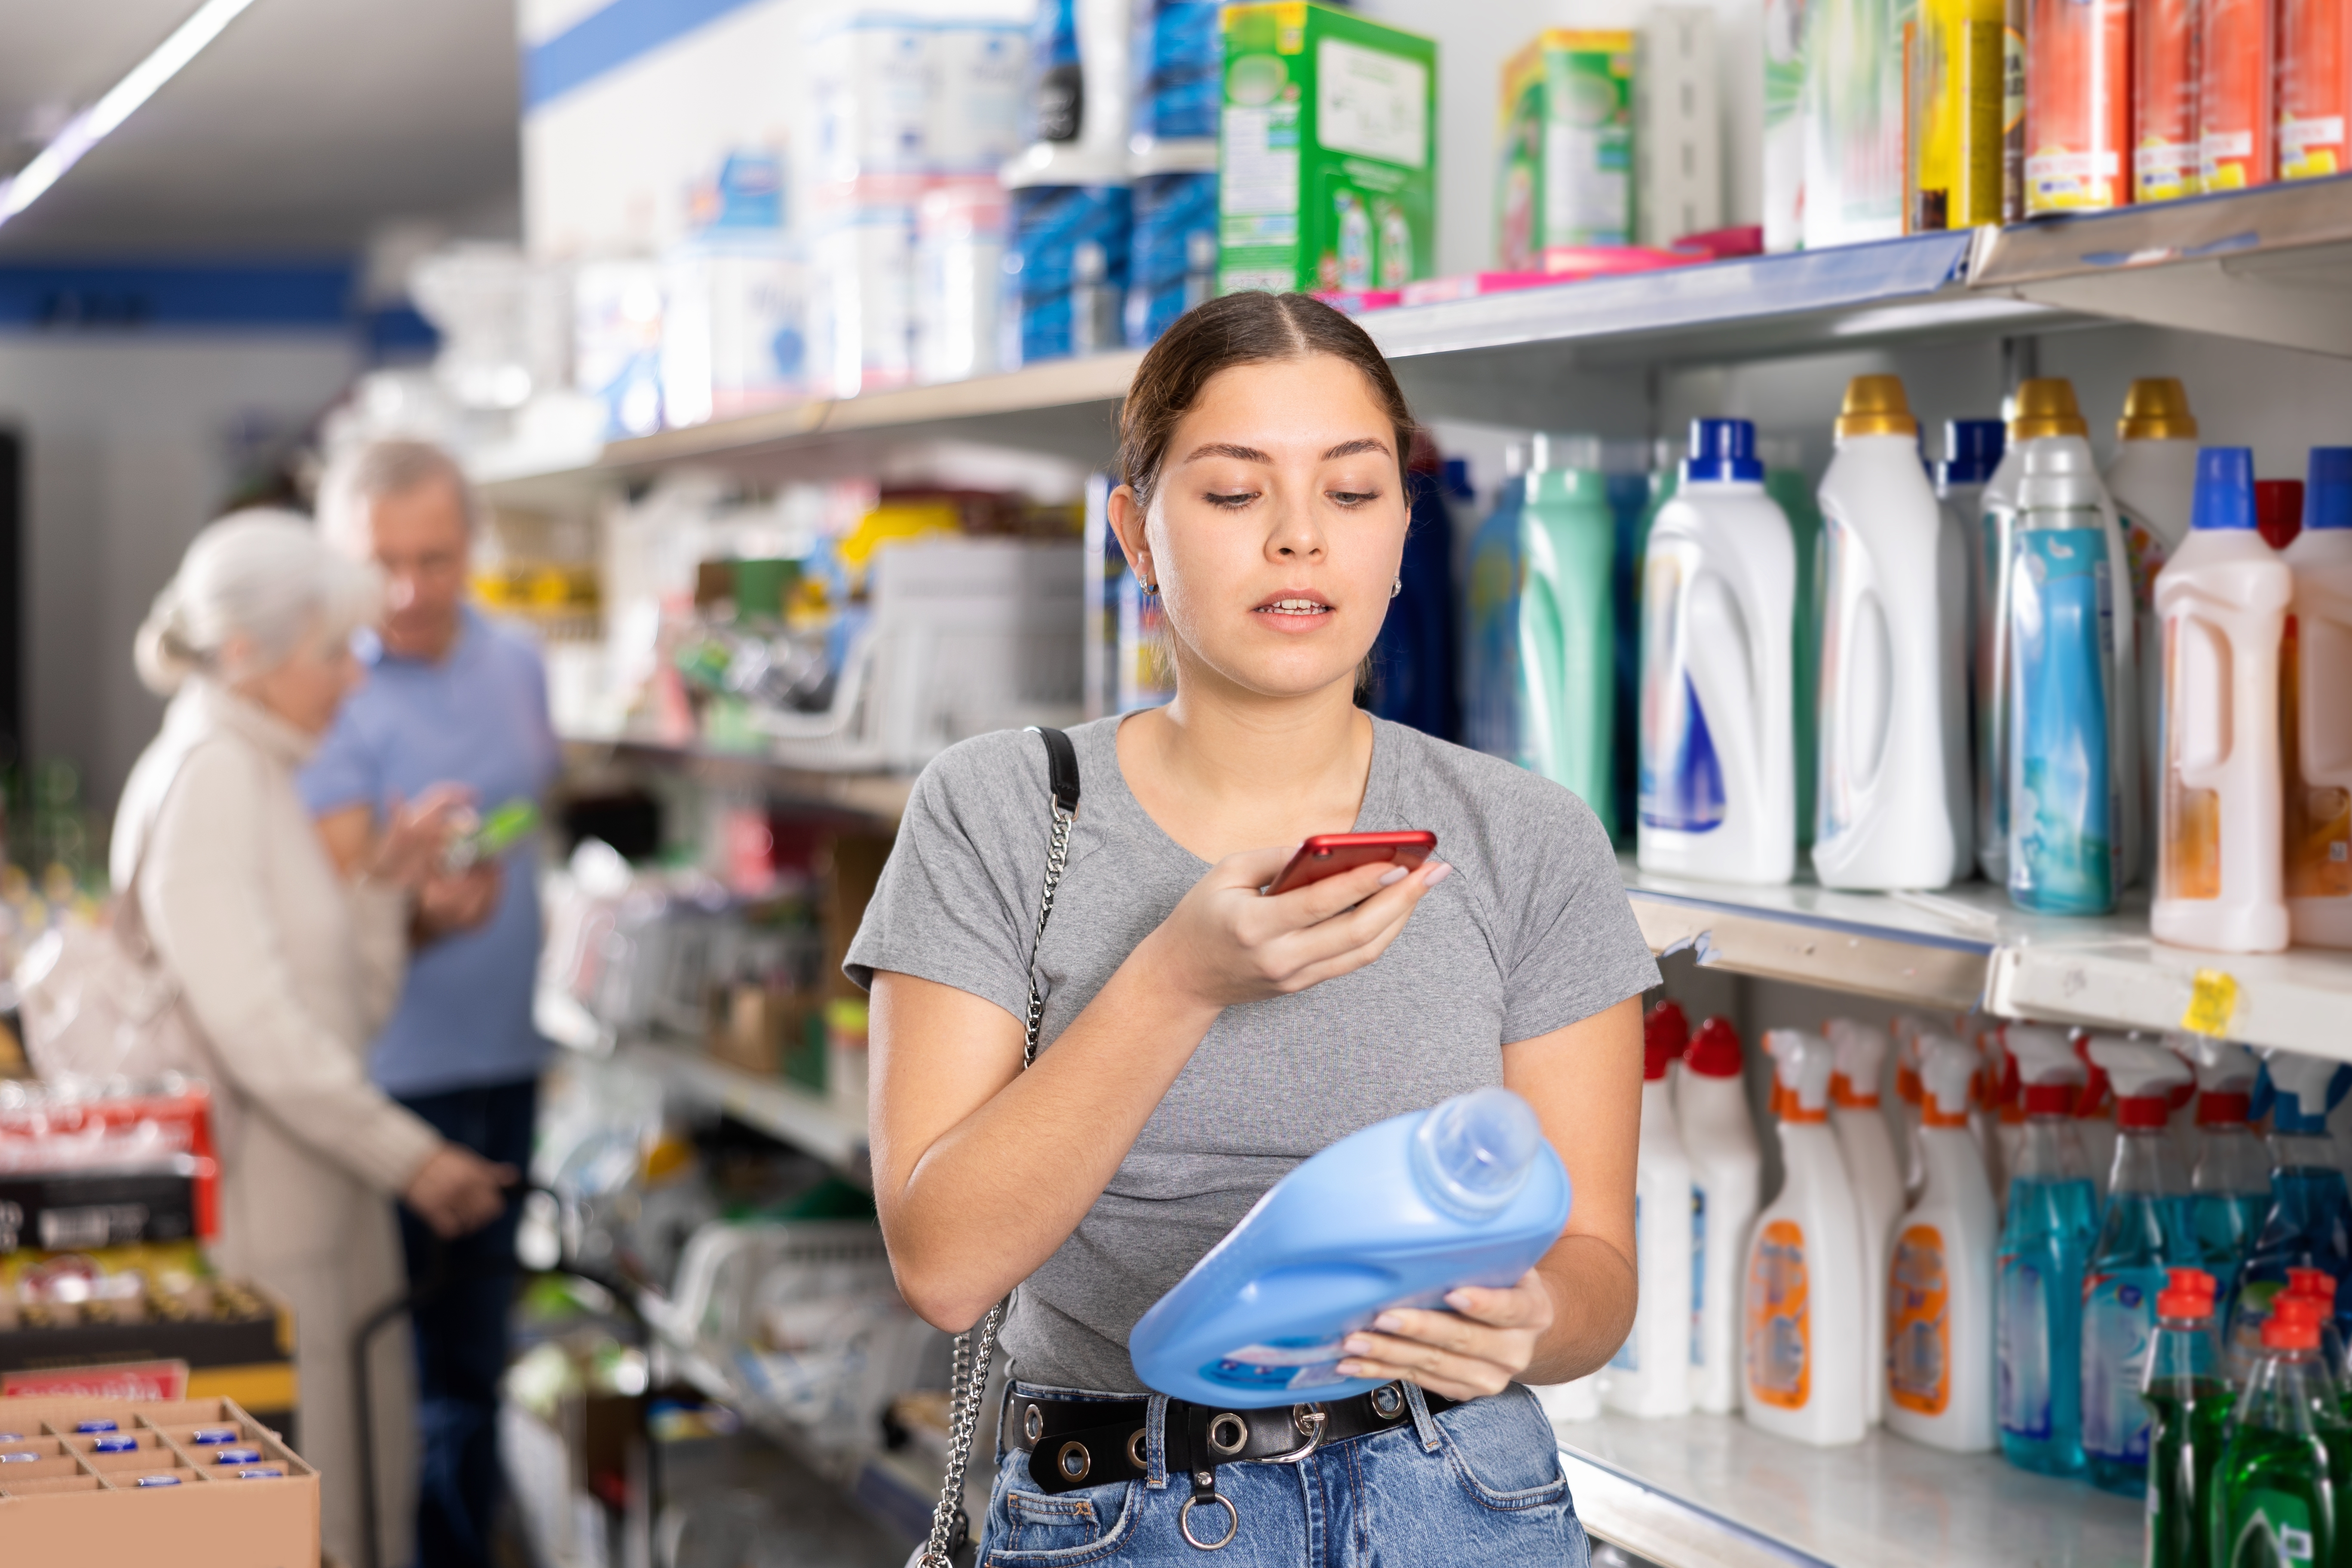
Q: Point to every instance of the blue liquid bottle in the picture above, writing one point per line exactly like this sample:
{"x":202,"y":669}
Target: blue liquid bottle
{"x":1490,"y":662}
{"x":2308,"y":1224}
{"x":2147,"y":1230}
{"x":2045,"y":1240}
{"x":1414,"y":680}
{"x":2230,"y":1184}
{"x":1467,"y":1193}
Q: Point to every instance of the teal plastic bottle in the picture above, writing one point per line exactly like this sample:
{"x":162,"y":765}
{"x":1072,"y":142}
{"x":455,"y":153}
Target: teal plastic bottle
{"x":2189,"y":1403}
{"x":2147,"y":1231}
{"x":2308,"y":1222}
{"x":1788,"y":487}
{"x":2275,"y":1500}
{"x":2229,"y":1186}
{"x":2045,"y":1240}
{"x":1490,"y":658}
{"x":1467,"y":1193}
{"x":1568,"y":623}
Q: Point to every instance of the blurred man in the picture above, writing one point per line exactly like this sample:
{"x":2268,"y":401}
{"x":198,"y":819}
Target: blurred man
{"x":448,"y":699}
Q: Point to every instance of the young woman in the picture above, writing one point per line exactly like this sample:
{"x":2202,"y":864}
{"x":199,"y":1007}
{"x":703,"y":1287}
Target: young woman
{"x":1200,"y":1038}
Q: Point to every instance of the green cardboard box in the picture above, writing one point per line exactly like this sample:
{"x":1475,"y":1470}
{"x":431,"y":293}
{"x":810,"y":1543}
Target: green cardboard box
{"x":1567,"y":146}
{"x":1326,"y":152}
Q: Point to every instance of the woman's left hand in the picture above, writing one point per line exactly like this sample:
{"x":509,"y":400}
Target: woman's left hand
{"x":1489,"y":1339}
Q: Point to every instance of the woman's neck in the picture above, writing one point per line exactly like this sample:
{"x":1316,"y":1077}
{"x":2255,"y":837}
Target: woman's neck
{"x":1223,"y":772}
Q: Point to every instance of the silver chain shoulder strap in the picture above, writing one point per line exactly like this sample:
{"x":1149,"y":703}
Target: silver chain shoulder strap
{"x":975,"y":1349}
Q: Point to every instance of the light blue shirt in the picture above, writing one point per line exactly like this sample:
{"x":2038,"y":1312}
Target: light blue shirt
{"x":478,"y":718}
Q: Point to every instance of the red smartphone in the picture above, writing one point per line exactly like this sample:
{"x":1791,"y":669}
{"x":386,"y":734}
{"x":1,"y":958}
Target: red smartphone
{"x":1328,"y":854}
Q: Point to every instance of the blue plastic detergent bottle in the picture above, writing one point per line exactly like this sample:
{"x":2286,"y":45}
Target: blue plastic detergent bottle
{"x":1490,"y":662}
{"x":1467,"y":1193}
{"x":1412,"y":661}
{"x":2309,"y":1222}
{"x":2045,"y":1240}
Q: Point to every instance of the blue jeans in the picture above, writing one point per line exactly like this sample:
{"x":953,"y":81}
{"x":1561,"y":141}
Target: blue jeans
{"x":460,"y":1331}
{"x":1478,"y":1483}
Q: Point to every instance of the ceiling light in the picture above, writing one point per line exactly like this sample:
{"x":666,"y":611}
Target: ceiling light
{"x":90,"y":127}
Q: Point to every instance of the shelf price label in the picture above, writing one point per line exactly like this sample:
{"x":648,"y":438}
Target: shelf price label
{"x":2213,"y":1003}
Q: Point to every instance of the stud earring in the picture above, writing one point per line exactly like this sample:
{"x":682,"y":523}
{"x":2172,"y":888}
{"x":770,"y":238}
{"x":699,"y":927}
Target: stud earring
{"x":1396,"y":587}
{"x":1151,"y":588}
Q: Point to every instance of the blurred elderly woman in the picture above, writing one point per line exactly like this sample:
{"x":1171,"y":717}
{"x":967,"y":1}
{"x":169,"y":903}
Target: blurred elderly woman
{"x":287,"y":969}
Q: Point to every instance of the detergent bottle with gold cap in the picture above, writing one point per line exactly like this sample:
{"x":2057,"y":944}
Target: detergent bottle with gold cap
{"x":1894,"y":809}
{"x":2153,"y":480}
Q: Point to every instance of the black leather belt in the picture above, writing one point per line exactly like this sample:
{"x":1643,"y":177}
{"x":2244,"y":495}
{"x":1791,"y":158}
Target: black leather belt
{"x":1079,"y":1443}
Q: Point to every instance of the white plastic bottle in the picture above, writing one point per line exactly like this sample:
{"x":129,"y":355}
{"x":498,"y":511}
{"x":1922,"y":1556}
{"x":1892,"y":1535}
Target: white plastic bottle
{"x":1650,"y":1374}
{"x":2222,"y":599}
{"x":1894,"y":743}
{"x":1906,"y":1030}
{"x":1727,"y":1167}
{"x":1805,"y":1357}
{"x":1857,"y":1056}
{"x":2154,"y":481}
{"x":1939,"y":1283}
{"x":2317,"y":742}
{"x":1717,"y":773}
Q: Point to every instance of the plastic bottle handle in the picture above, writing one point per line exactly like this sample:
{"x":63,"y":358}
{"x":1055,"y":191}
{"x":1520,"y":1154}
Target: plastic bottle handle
{"x":2323,"y":628}
{"x":2203,"y":752}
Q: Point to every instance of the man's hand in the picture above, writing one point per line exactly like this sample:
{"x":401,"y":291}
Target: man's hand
{"x":449,"y":903}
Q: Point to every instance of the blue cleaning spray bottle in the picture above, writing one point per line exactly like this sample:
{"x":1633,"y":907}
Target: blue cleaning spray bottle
{"x":2147,"y":1231}
{"x":1467,"y":1193}
{"x":2309,"y":1221}
{"x":2046,"y":1239}
{"x":2229,"y":1176}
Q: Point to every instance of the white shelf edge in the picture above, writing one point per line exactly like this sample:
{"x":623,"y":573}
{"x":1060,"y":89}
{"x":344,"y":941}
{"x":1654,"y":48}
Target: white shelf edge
{"x":783,"y":1111}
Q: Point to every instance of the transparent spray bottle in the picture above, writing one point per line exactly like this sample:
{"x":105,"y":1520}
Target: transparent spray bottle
{"x":2229,"y":1180}
{"x":2051,"y":1222}
{"x":2308,"y":1221}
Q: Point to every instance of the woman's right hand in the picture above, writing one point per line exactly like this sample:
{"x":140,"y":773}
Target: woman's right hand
{"x":456,"y":1192}
{"x":1226,"y":942}
{"x":416,"y":836}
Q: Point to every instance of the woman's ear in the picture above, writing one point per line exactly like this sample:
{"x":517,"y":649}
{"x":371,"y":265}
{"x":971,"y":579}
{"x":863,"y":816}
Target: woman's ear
{"x":1126,"y":521}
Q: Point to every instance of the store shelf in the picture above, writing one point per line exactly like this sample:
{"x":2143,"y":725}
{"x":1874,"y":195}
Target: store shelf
{"x":1711,"y":1492}
{"x":784,"y":1111}
{"x":880,"y":796}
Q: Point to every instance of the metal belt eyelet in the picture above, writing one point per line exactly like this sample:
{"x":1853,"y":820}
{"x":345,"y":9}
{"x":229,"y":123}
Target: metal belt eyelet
{"x":1225,"y":1447}
{"x":1135,"y":1447}
{"x":1033,"y":1423}
{"x":1387,"y":1400}
{"x":1078,"y":1451}
{"x":1233,"y":1522}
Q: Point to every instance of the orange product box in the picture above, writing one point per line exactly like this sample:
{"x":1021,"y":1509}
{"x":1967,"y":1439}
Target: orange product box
{"x":2314,"y":88}
{"x":2164,"y":99}
{"x":2077,"y":105}
{"x":2235,"y":107}
{"x":119,"y":1480}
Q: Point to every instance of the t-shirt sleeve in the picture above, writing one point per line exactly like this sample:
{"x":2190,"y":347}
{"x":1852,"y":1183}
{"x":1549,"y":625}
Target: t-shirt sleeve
{"x":344,"y":770}
{"x":1579,"y":950}
{"x":949,"y":905}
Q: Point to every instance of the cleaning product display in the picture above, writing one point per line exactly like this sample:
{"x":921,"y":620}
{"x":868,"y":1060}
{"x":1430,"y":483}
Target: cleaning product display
{"x":1565,"y":723}
{"x":1650,"y":1373}
{"x":1894,"y":803}
{"x":2188,"y":1401}
{"x":1717,"y":769}
{"x":2223,"y":600}
{"x":2045,"y":1241}
{"x":1858,"y":1054}
{"x":1719,"y":1136}
{"x":1467,"y":1193}
{"x":1939,"y":1279}
{"x":1806,"y":1359}
{"x":2308,"y":1222}
{"x":2316,"y":709}
{"x":2145,"y":1230}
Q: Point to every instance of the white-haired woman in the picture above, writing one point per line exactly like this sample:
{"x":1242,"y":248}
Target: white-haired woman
{"x":286,"y":969}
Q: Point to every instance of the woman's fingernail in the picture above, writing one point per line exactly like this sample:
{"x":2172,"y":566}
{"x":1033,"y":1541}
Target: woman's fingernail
{"x":1357,"y":1344}
{"x":1438,"y":875}
{"x":1389,"y":1323}
{"x":1394,"y":874}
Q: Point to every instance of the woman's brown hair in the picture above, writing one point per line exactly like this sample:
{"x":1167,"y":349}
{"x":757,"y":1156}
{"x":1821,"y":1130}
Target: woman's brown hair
{"x":1239,"y":328}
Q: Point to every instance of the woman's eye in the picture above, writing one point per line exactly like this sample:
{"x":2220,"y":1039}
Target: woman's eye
{"x":1354,"y":498}
{"x":1235,"y":499}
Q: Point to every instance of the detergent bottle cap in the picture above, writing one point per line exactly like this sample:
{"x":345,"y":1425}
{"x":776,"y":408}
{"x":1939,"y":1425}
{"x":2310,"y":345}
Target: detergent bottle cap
{"x":2157,"y":409}
{"x":2278,"y":510}
{"x":2307,"y":1090}
{"x":1714,"y":1051}
{"x":1801,"y":1069}
{"x":2327,"y":492}
{"x":2225,"y":489}
{"x":1972,"y":449}
{"x":1472,"y":1152}
{"x":1947,"y":1076}
{"x":1722,"y":449}
{"x":2188,"y":1294}
{"x":2293,"y":1325}
{"x":2046,"y":406}
{"x":1859,"y":1051}
{"x":2046,"y":1065}
{"x":1875,"y":406}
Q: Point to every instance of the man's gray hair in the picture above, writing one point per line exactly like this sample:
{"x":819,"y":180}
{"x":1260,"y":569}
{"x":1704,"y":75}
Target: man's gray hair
{"x":369,"y":473}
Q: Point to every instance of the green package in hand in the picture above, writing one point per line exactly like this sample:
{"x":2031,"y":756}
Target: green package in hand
{"x":499,"y":831}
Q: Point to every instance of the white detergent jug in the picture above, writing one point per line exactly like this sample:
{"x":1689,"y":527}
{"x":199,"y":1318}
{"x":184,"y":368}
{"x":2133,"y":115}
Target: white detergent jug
{"x":1650,"y":1374}
{"x":1726,"y":1168}
{"x":1717,"y":773}
{"x":2223,"y":600}
{"x":1858,"y":1053}
{"x":1939,"y":1281}
{"x":2317,"y":742}
{"x":1893,"y":703}
{"x":1806,"y":1357}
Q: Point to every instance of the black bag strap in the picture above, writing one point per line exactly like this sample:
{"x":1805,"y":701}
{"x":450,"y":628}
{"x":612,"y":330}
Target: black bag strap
{"x":1061,"y":767}
{"x":1061,"y":783}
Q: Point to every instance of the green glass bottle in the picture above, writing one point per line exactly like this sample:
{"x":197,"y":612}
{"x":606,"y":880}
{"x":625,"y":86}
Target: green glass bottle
{"x":2188,"y":1402}
{"x":2274,"y":1499}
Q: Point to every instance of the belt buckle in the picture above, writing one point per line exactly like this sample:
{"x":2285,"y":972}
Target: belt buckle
{"x":1310,"y":1421}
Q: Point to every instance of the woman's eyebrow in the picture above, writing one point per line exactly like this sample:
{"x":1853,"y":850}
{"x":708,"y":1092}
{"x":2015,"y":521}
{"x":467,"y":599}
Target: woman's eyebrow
{"x":1228,"y":449}
{"x":1362,"y":444}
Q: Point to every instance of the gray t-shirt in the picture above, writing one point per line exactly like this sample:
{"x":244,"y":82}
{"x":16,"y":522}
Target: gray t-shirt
{"x":1530,"y":933}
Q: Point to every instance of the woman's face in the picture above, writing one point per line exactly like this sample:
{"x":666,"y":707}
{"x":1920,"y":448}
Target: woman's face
{"x":308,"y":686}
{"x":1278,"y":526}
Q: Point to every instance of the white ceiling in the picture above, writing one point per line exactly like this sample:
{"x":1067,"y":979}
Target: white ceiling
{"x":308,"y":126}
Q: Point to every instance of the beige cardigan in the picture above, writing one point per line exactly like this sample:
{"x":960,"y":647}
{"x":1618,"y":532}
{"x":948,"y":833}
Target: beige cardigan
{"x":288,"y":972}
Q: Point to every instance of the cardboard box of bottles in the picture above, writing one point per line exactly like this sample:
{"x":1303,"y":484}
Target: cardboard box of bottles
{"x":195,"y":1483}
{"x":1326,"y":152}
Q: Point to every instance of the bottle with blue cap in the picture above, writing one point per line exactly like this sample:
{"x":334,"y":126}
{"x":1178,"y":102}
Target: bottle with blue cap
{"x":2308,"y":1224}
{"x":1717,"y":769}
{"x":2223,"y":601}
{"x":1467,"y":1193}
{"x":2316,"y":710}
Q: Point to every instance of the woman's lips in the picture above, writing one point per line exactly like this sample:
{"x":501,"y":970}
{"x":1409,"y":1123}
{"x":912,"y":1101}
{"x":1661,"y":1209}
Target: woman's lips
{"x":1293,"y":612}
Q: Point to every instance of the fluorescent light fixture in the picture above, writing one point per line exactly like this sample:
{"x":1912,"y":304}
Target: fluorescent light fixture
{"x":88,"y":128}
